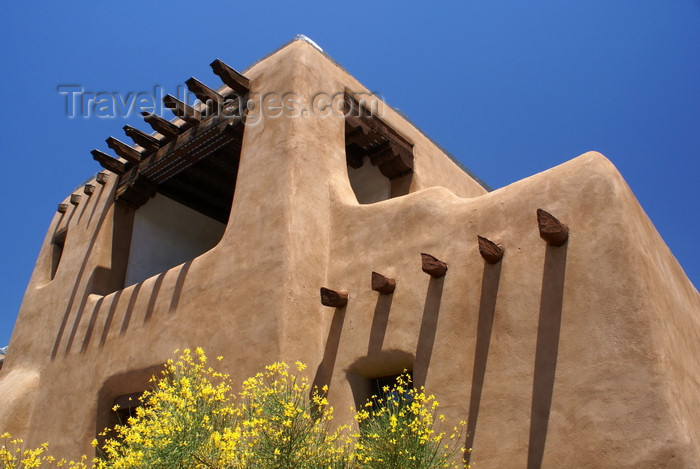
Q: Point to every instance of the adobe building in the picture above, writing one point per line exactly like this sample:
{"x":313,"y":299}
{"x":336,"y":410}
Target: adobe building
{"x":567,"y":336}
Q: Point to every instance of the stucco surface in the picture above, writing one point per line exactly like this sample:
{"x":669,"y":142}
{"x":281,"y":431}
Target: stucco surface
{"x":584,"y":355}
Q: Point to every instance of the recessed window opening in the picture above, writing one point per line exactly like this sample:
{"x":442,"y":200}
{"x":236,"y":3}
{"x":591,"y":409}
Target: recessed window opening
{"x":59,"y":240}
{"x":394,"y":387}
{"x":125,"y":406}
{"x":185,"y":218}
{"x":380,"y":161}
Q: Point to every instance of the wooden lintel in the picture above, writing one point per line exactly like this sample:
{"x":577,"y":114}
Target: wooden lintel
{"x":374,"y":123}
{"x":149,"y":142}
{"x":102,"y":177}
{"x":356,"y":133}
{"x":161,"y":125}
{"x":231,"y":78}
{"x":109,"y":163}
{"x":88,"y":189}
{"x":182,"y":110}
{"x":203,"y":92}
{"x":334,"y":298}
{"x":490,"y":251}
{"x":398,"y":166}
{"x":551,"y":230}
{"x":62,"y":208}
{"x":433,"y":266}
{"x":382,"y":154}
{"x":129,"y":153}
{"x":75,"y":199}
{"x":136,"y":192}
{"x":354,"y":156}
{"x":382,"y":284}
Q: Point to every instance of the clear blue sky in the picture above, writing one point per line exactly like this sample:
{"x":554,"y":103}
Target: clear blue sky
{"x":509,"y":87}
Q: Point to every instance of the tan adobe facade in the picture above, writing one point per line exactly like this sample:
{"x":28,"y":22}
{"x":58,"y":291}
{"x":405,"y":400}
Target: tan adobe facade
{"x":581,"y":353}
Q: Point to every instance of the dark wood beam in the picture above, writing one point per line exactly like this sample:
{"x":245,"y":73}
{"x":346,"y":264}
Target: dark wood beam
{"x":162,"y":126}
{"x":398,"y":166}
{"x":355,"y":135}
{"x":109,"y":163}
{"x":89,"y":189}
{"x":334,"y":298}
{"x":231,"y":78}
{"x":375,"y":124}
{"x":148,"y":142}
{"x":129,"y":153}
{"x":433,"y":266}
{"x":62,"y":208}
{"x":490,"y":251}
{"x":204,"y":93}
{"x":182,"y":110}
{"x":551,"y":230}
{"x":75,"y":199}
{"x":382,"y":284}
{"x":354,"y":156}
{"x":102,"y":177}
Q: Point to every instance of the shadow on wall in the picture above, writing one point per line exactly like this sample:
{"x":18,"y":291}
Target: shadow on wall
{"x":324,"y":372}
{"x":380,"y":321}
{"x":487,"y":306}
{"x":101,"y":280}
{"x":428,"y":328}
{"x":548,"y":330}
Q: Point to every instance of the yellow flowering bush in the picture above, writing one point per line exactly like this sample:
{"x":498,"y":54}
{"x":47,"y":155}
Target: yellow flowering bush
{"x":397,"y":431}
{"x":191,"y":419}
{"x":13,"y":456}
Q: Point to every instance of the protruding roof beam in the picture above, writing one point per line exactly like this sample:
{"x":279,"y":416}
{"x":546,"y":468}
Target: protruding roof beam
{"x":551,"y":230}
{"x":356,"y":134}
{"x":149,"y":142}
{"x":89,"y":189}
{"x":382,"y":284}
{"x":334,"y":298}
{"x":129,"y":153}
{"x":204,"y":93}
{"x":102,"y":177}
{"x":62,"y":208}
{"x":490,"y":251}
{"x":161,"y":125}
{"x":75,"y":199}
{"x":182,"y":110}
{"x":109,"y":163}
{"x":433,"y":266}
{"x":231,"y":78}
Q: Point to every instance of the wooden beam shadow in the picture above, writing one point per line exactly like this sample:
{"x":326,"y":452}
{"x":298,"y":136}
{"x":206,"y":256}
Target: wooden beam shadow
{"x":110,"y":317}
{"x":428,"y":328}
{"x":97,"y":276}
{"x":130,"y":307}
{"x":97,"y":195}
{"x":91,"y":325}
{"x":77,"y":283}
{"x":324,"y":372}
{"x":379,"y":324}
{"x":491,"y":278}
{"x":547,"y":350}
{"x":179,"y":284}
{"x":154,"y":296}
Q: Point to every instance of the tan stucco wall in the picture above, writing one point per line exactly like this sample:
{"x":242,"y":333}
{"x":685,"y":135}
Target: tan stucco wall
{"x":605,"y":328}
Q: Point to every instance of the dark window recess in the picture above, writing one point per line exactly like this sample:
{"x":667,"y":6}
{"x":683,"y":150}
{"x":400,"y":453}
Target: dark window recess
{"x":380,"y":161}
{"x":384,"y":386}
{"x":57,"y":243}
{"x":126,"y":406}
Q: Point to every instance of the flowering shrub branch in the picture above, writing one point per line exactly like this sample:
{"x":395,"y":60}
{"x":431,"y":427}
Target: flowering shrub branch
{"x":192,"y":420}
